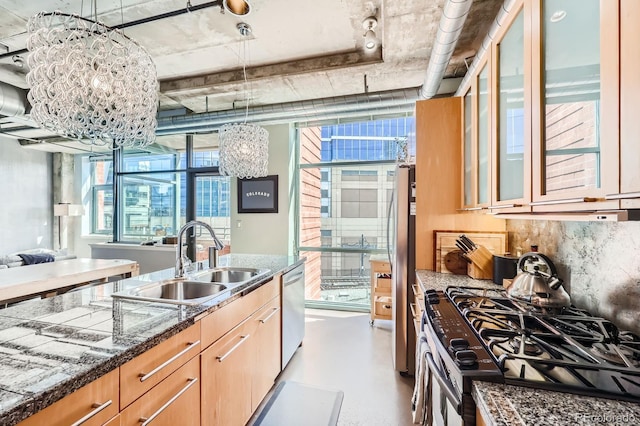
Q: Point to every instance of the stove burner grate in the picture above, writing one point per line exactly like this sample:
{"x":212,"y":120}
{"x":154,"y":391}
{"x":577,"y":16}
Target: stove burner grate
{"x":530,"y":347}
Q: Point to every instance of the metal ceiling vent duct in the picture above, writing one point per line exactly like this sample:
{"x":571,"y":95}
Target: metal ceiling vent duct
{"x":504,"y":11}
{"x":453,"y":16}
{"x":13,"y":101}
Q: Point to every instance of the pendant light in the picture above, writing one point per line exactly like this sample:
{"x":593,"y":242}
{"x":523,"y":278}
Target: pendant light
{"x":90,"y":82}
{"x":244,"y":147}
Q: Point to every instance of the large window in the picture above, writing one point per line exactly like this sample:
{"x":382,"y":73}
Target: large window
{"x":346,"y":184}
{"x":153,"y":189}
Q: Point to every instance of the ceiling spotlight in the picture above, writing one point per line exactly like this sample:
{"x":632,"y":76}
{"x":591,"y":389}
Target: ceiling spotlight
{"x":558,"y":16}
{"x":244,"y":29}
{"x":237,"y":7}
{"x":370,"y":39}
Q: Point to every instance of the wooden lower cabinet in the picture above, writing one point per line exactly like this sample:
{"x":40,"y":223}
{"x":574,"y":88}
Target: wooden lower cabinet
{"x":268,"y":350}
{"x":95,"y":404}
{"x":175,"y":401}
{"x":147,"y":370}
{"x":226,"y":368}
{"x":178,"y":383}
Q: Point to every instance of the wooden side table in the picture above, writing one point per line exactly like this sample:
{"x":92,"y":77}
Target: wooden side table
{"x":381,"y":297}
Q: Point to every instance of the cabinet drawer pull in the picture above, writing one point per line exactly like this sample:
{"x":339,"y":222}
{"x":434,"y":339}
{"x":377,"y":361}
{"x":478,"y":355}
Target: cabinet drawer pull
{"x":469,"y":209}
{"x":567,"y":201}
{"x":415,"y":290}
{"x":96,"y":409}
{"x":242,"y":340}
{"x":146,"y":420}
{"x":505,"y":206}
{"x":624,"y":196}
{"x":413,"y":310}
{"x":275,"y":311}
{"x":145,"y":376}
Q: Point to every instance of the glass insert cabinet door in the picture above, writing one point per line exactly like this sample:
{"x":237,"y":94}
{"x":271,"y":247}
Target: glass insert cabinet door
{"x":483,"y":136}
{"x":467,"y":155}
{"x":512,"y":135}
{"x":571,"y":110}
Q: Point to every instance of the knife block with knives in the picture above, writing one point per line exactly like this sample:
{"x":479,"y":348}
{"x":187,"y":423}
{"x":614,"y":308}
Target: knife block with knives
{"x":481,"y":259}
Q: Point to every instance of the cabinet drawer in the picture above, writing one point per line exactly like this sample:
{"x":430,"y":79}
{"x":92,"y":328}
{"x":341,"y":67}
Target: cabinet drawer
{"x":383,"y":306}
{"x":383,"y":284}
{"x":380,"y":266}
{"x":176,"y":401}
{"x":96,"y":403}
{"x":147,"y":370}
{"x":220,"y":321}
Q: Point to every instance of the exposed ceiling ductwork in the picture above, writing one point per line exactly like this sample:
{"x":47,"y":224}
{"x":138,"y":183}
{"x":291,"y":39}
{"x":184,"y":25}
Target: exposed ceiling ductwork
{"x":13,"y":101}
{"x":486,"y":43}
{"x":453,"y":17}
{"x":379,"y":102}
{"x":389,"y":102}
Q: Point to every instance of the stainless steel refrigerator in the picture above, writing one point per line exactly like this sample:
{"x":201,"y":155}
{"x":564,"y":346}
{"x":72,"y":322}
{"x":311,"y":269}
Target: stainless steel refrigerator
{"x":402,"y":224}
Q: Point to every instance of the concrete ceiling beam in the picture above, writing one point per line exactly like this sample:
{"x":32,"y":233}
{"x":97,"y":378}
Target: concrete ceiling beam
{"x":203,"y":84}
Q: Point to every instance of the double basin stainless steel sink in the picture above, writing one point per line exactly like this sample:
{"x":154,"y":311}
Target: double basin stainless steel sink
{"x":193,"y":289}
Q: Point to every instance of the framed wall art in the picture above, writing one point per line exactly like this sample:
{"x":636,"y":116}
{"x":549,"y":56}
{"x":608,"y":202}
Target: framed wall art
{"x":258,"y":195}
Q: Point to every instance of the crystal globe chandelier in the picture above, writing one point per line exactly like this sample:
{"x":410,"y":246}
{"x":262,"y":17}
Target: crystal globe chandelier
{"x":244,"y":147}
{"x":90,"y":82}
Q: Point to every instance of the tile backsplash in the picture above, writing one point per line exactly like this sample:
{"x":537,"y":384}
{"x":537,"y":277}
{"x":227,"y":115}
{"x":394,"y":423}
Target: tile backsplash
{"x":599,"y":263}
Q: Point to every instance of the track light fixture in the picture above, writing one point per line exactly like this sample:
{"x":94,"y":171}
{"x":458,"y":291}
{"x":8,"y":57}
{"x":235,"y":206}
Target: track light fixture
{"x":370,"y":39}
{"x":237,"y":7}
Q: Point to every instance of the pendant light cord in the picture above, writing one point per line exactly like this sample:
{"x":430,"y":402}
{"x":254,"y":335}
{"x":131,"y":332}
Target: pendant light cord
{"x":246,"y":84}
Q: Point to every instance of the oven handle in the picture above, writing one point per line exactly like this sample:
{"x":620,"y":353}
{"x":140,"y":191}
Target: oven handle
{"x":444,"y":384}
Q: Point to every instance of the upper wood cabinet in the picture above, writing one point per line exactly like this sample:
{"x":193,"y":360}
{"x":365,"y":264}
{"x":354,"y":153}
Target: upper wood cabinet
{"x":468,"y":199}
{"x":476,"y":147}
{"x":562,"y":90}
{"x":575,"y":104}
{"x":629,"y":193}
{"x":484,"y":136}
{"x":511,"y":120}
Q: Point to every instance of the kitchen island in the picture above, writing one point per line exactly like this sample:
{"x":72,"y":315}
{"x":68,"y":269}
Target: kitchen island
{"x":48,"y":278}
{"x":50,"y":348}
{"x":500,"y":404}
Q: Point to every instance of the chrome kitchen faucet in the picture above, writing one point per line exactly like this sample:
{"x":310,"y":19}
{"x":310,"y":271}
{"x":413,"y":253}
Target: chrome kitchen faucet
{"x":180,"y":257}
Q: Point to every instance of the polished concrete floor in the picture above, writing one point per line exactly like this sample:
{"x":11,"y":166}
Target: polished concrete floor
{"x":341,"y":351}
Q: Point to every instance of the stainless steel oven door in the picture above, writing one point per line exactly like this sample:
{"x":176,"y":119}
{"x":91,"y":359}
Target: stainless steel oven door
{"x":444,"y":401}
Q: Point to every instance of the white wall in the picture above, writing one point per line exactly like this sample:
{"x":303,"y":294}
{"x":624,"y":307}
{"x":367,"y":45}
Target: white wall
{"x":267,"y":233}
{"x":26,"y":192}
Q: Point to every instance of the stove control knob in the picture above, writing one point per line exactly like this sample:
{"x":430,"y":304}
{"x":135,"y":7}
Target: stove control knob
{"x":458,"y":344}
{"x":467,"y":360}
{"x":431,"y":296}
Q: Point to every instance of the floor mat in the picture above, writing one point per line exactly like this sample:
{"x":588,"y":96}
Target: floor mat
{"x":295,"y":404}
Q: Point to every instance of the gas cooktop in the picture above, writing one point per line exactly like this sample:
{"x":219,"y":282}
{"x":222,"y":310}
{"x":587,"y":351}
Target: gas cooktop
{"x":564,"y":349}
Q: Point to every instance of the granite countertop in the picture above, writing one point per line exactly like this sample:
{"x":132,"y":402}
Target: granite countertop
{"x":52,"y":347}
{"x":510,"y":405}
{"x":506,"y":405}
{"x":439,"y":281}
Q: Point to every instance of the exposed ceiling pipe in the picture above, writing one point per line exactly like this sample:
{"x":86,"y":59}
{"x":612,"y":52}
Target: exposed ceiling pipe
{"x":396,"y":101}
{"x":453,"y":16}
{"x":13,"y":100}
{"x":171,"y":14}
{"x":503,"y":13}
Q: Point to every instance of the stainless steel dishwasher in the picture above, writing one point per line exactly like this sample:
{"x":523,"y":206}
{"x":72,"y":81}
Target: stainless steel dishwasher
{"x":292,"y":312}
